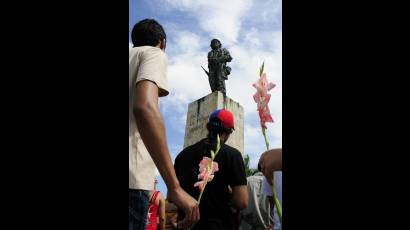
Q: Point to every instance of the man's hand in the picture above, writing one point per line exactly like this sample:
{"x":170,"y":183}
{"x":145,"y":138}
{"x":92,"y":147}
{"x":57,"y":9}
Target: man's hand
{"x":188,"y":204}
{"x":269,"y":162}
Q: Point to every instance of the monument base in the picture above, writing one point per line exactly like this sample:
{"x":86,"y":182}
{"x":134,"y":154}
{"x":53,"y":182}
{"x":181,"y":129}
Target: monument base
{"x":198,"y":115}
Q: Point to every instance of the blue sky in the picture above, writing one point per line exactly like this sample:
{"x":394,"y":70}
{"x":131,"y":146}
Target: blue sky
{"x":250,"y":29}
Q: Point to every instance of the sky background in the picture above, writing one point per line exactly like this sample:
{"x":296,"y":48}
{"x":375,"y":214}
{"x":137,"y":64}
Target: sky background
{"x":252,"y":32}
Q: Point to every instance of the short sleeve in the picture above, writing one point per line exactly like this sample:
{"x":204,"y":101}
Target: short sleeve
{"x":153,"y":67}
{"x":237,"y":175}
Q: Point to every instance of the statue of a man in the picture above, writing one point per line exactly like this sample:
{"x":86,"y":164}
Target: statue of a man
{"x":218,"y":70}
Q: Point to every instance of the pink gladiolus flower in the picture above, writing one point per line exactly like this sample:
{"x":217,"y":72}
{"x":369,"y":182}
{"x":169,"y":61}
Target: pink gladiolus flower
{"x":206,"y":172}
{"x":262,"y":98}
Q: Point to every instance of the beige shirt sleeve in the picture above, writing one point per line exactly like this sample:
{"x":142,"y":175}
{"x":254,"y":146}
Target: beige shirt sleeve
{"x":153,"y":67}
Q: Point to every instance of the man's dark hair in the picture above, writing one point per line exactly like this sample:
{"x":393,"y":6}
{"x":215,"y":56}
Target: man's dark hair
{"x":147,"y":32}
{"x":215,"y":127}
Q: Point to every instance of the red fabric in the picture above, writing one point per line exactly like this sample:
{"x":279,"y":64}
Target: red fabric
{"x":225,"y":116}
{"x":153,"y":213}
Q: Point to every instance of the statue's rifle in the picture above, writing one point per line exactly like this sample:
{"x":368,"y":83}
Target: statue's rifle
{"x":207,"y":73}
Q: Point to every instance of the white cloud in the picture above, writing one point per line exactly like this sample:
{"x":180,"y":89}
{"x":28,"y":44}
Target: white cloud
{"x":186,"y":78}
{"x":246,"y":62}
{"x":218,"y":18}
{"x":266,"y":14}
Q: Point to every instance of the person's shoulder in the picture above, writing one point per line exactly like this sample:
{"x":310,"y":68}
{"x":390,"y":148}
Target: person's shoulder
{"x":191,"y":148}
{"x":179,"y":156}
{"x":152,"y":50}
{"x":147,"y":51}
{"x":183,"y":153}
{"x":231,"y":150}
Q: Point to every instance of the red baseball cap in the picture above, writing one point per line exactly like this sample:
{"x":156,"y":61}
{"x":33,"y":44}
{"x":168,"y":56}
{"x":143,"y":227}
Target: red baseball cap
{"x":224,"y":116}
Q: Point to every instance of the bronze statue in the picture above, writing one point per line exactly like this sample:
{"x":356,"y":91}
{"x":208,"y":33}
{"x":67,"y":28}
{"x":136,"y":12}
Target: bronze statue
{"x":218,"y":70}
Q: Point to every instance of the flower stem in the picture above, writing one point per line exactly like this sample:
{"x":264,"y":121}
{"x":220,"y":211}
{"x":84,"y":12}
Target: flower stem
{"x":275,"y":197}
{"x":200,"y":194}
{"x":266,"y":139}
{"x":210,"y":165}
{"x":278,"y":206}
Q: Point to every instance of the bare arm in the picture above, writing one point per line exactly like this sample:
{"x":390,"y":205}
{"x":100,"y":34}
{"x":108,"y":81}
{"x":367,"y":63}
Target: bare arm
{"x":151,"y":127}
{"x":240,"y":196}
{"x":161,"y":212}
{"x":269,"y":162}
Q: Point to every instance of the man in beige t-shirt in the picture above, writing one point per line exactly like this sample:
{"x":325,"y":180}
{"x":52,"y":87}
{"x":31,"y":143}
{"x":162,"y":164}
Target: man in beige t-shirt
{"x":146,"y":63}
{"x":147,"y":141}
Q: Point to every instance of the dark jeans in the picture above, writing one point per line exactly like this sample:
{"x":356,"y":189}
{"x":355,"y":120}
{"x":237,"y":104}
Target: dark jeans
{"x":138,"y":209}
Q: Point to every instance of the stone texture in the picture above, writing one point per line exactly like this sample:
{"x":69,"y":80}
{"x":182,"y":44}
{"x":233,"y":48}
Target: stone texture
{"x":198,"y":114}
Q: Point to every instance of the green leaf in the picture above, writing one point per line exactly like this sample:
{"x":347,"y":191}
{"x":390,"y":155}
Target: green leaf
{"x":262,"y":68}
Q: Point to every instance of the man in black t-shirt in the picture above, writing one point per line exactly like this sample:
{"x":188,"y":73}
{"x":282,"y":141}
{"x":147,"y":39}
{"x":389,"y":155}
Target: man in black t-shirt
{"x":229,"y":183}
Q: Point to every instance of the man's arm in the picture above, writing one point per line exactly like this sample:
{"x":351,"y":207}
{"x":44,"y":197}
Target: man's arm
{"x":238,"y":182}
{"x":161,"y":216}
{"x":269,"y":162}
{"x":240,"y":196}
{"x":151,"y":128}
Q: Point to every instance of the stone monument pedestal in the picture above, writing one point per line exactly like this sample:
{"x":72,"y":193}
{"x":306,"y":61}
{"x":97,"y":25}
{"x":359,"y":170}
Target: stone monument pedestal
{"x":198,"y":115}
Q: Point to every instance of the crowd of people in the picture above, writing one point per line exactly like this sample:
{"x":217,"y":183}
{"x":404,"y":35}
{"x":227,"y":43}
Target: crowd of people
{"x":231,"y":201}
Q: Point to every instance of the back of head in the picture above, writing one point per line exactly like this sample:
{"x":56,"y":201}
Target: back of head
{"x":220,"y":121}
{"x":147,"y":32}
{"x":215,"y":126}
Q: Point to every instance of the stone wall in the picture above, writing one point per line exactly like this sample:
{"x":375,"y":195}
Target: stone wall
{"x":198,"y":114}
